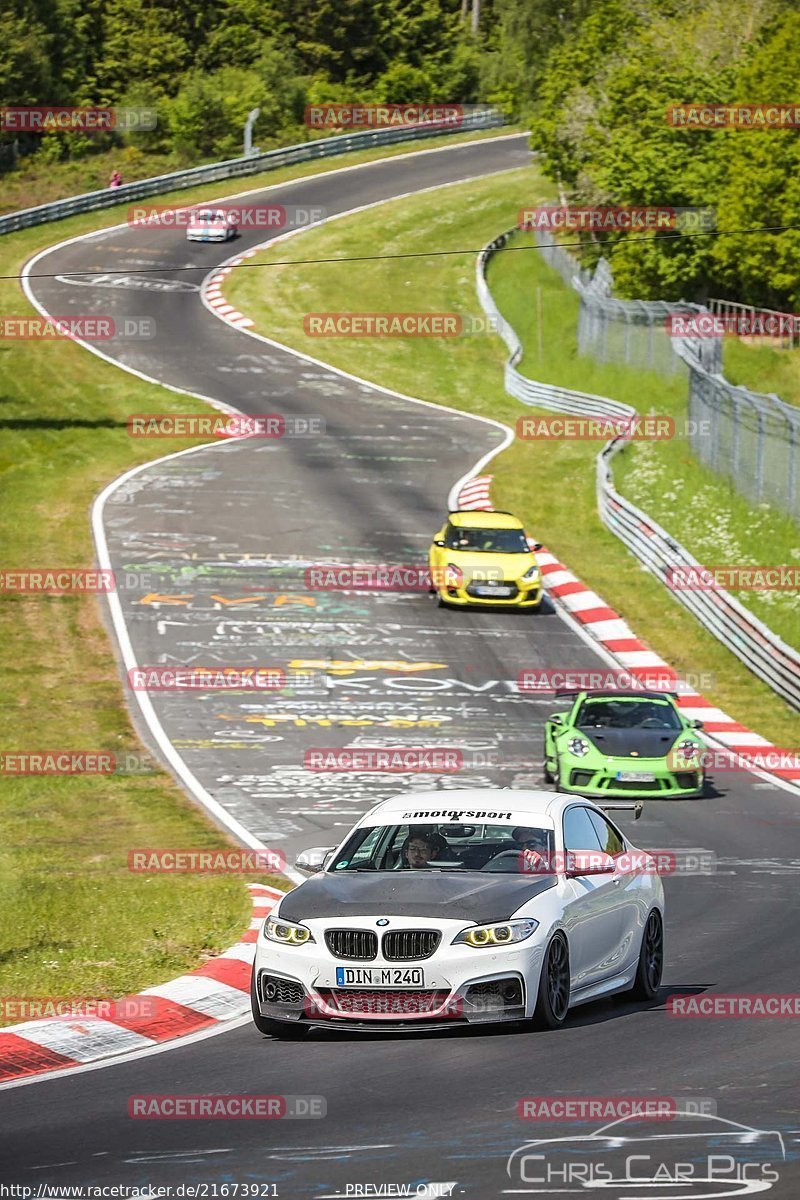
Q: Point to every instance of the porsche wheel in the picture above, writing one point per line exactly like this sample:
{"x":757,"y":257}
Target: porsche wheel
{"x":552,"y":1001}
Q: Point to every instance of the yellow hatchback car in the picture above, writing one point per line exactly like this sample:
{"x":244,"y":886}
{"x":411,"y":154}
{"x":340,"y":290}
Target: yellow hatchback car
{"x":485,"y":558}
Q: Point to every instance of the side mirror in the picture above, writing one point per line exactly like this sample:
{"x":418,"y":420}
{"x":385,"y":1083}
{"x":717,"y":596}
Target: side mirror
{"x":556,"y":719}
{"x":588,"y":862}
{"x":438,"y":541}
{"x":314,"y":860}
{"x":537,"y":546}
{"x":695,"y":724}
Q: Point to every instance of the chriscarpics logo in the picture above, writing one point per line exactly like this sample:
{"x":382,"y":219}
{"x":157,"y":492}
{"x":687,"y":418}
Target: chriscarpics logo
{"x":696,"y":1155}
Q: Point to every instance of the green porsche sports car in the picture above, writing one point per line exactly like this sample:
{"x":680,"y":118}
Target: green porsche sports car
{"x":613,"y":743}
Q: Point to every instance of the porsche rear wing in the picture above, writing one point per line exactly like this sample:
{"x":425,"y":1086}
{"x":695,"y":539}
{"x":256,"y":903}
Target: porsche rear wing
{"x":626,"y":806}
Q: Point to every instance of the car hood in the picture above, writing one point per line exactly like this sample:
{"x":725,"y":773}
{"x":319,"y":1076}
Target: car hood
{"x":468,"y":897}
{"x":631,"y":743}
{"x":505,"y":566}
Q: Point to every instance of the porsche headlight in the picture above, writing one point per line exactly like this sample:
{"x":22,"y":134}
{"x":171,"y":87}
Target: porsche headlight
{"x":578,"y":746}
{"x":284,"y":932}
{"x":531,"y":574}
{"x":497,"y":935}
{"x":687,"y":748}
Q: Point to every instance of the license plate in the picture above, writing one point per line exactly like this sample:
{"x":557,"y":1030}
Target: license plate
{"x":493,"y":590}
{"x":380,"y":977}
{"x":636,"y":776}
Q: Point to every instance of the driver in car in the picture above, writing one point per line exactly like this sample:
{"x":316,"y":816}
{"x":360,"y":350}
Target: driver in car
{"x":530,"y":853}
{"x":421,"y":847}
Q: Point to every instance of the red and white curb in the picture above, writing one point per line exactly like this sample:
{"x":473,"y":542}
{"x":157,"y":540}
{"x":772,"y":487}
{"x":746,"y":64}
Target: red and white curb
{"x":475,"y":494}
{"x":609,"y":630}
{"x":212,"y":292}
{"x":215,"y":992}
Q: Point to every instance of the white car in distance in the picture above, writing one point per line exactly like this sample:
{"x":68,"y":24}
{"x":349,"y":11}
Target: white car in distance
{"x":211,"y":225}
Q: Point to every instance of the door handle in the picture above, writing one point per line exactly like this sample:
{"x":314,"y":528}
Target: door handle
{"x":616,"y":881}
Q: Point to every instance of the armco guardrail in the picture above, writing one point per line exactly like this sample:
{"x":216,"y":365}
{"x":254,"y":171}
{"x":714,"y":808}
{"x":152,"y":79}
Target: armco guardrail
{"x":761,"y":650}
{"x":232,"y":168}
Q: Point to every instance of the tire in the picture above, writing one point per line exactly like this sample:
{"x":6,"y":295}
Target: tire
{"x":651,"y":960}
{"x":287,"y":1030}
{"x":552,"y":1000}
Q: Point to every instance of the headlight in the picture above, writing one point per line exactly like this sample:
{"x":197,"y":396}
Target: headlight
{"x":688,"y":748}
{"x":531,"y":574}
{"x":497,"y":935}
{"x":578,"y":746}
{"x":454,"y":576}
{"x":284,"y":932}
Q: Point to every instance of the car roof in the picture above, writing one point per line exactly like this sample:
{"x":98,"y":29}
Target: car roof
{"x":542,"y":805}
{"x":478,"y":519}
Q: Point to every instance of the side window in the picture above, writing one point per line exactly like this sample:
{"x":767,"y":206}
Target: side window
{"x":450,"y":536}
{"x":579,"y":832}
{"x":610,"y":840}
{"x":365,"y":848}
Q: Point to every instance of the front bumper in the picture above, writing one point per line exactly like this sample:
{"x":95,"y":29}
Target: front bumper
{"x":524,"y":597}
{"x":463,"y":986}
{"x":598,"y":782}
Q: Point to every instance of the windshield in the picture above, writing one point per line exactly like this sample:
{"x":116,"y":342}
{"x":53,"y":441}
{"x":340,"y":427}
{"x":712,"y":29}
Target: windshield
{"x":628,"y":714}
{"x":207,"y":215}
{"x":488,"y":541}
{"x":473,"y":847}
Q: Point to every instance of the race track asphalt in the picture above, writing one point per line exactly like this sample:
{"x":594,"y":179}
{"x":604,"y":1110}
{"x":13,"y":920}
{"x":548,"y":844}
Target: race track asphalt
{"x":245,"y":519}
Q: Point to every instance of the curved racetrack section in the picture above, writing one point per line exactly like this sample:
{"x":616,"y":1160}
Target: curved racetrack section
{"x":231,"y":529}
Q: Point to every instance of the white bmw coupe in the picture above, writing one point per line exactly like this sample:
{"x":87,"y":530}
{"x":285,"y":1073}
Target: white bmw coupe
{"x":450,"y":907}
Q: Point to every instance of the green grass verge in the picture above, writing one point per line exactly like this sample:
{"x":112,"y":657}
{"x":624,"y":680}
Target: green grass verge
{"x":73,"y":920}
{"x":762,"y":369}
{"x":466,"y":374}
